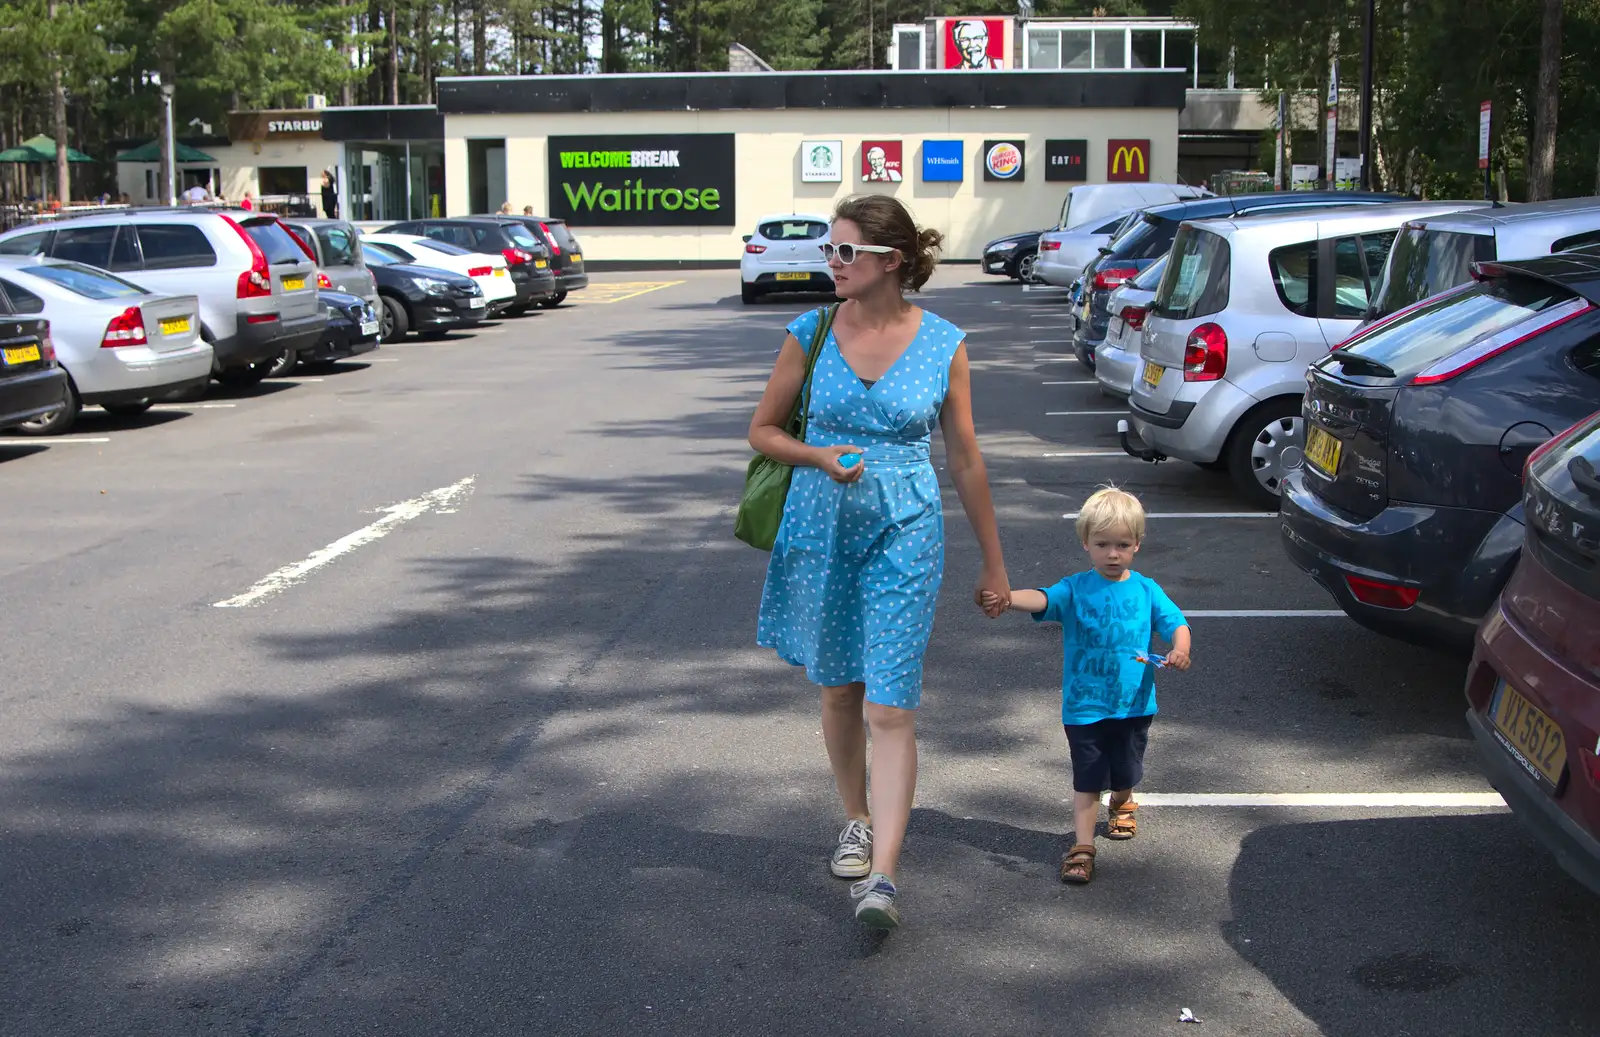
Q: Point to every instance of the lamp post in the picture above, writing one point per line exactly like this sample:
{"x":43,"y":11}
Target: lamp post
{"x":1366,"y":98}
{"x":169,"y":148}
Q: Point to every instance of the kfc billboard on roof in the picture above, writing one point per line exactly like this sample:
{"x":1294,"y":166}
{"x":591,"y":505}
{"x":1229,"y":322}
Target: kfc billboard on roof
{"x":973,"y":44}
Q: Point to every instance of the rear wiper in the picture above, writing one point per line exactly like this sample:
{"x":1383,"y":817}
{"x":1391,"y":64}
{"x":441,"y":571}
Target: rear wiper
{"x":1370,"y":366}
{"x":1584,"y":477}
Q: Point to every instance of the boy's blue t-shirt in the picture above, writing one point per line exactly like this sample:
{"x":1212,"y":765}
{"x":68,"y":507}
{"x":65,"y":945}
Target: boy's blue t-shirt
{"x":1104,"y":624}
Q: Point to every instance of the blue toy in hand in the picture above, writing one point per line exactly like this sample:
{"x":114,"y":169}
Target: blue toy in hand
{"x":849,"y":460}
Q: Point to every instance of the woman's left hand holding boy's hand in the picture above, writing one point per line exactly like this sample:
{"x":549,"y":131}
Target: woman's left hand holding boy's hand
{"x":1178,"y":659}
{"x":993,"y":593}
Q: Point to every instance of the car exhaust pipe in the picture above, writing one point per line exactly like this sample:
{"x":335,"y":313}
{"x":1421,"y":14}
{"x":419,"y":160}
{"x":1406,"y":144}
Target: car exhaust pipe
{"x":1143,"y":451}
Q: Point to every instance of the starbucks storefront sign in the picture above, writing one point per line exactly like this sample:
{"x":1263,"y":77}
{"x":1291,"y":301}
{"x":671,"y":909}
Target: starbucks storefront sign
{"x":643,"y":180}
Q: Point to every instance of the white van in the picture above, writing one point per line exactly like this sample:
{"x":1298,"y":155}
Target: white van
{"x":1088,"y":202}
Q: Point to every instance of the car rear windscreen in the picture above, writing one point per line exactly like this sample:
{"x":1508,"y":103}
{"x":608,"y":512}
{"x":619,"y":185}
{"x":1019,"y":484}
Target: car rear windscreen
{"x":1426,"y":262}
{"x":521,"y":237}
{"x":275,"y":242}
{"x":86,"y":281}
{"x":793,"y":230}
{"x":1148,"y":238}
{"x":1196,"y":281}
{"x":1414,"y":341}
{"x":444,"y":246}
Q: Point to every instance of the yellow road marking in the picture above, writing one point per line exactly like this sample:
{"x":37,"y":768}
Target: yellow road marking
{"x":618,"y":291}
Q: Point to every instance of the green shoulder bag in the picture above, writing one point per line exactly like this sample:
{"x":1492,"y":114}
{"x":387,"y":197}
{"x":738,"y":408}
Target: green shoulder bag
{"x":766,"y":482}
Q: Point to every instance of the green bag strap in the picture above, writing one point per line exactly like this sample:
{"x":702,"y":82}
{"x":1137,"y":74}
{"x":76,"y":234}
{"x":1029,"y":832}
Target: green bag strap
{"x":797,"y":417}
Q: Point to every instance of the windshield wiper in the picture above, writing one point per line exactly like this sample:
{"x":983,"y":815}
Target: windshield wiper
{"x":1370,"y":366}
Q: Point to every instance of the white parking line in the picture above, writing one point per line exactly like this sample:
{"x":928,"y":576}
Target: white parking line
{"x":1091,"y":453}
{"x":193,"y":406}
{"x":380,"y":360}
{"x":1377,"y":800}
{"x":1080,"y":381}
{"x":1265,"y":614}
{"x":1198,"y":515}
{"x":52,"y":441}
{"x":442,"y":500}
{"x":1054,"y":359}
{"x":1082,"y":413}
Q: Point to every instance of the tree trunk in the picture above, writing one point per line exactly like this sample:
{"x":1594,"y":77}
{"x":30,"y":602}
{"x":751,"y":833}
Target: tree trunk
{"x":58,"y":119}
{"x":1542,"y":155}
{"x":393,"y":86}
{"x":424,"y":48}
{"x":479,"y":38}
{"x":347,"y":95}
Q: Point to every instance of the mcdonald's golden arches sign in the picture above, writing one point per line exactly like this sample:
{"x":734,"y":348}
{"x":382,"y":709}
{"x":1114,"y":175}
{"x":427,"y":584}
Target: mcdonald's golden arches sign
{"x":1127,"y":160}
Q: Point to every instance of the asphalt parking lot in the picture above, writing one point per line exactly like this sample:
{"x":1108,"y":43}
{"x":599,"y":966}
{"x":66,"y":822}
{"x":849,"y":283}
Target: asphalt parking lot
{"x":478,"y":741}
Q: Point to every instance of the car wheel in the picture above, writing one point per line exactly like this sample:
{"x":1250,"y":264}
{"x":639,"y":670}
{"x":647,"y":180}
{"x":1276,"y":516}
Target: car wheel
{"x":245,"y":377}
{"x":1265,"y":445}
{"x":748,"y":294}
{"x":1025,"y":267}
{"x":57,"y":421}
{"x":554,"y":301}
{"x":517,"y":311}
{"x":283,"y":364}
{"x":125,"y":410}
{"x":392,"y":322}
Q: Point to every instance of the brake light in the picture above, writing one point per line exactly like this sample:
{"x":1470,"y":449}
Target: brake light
{"x":1381,"y":595}
{"x":125,"y":329}
{"x":555,"y":248}
{"x":47,"y":348}
{"x":755,"y":250}
{"x":480,"y":271}
{"x":1049,"y":246}
{"x":1591,"y":762}
{"x":1205,"y":354}
{"x":257,"y":281}
{"x":323,"y":281}
{"x":515,"y":256}
{"x":1133,"y":317}
{"x":1113,"y":277}
{"x":1491,"y":347}
{"x":298,"y":240}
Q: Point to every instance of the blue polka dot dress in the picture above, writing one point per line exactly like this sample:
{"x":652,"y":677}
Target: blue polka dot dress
{"x":855,"y":571}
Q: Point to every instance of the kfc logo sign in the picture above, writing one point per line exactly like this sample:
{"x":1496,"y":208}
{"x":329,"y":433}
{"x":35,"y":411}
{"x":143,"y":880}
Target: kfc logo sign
{"x":880,"y":161}
{"x":976,"y":43}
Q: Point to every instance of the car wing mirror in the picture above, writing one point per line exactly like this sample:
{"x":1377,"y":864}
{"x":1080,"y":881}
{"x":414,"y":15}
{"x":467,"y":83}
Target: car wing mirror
{"x":747,"y":238}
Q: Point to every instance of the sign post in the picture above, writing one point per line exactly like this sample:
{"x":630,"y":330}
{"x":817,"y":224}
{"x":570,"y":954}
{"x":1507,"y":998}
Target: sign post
{"x":1332,"y":126}
{"x":1485,"y":120}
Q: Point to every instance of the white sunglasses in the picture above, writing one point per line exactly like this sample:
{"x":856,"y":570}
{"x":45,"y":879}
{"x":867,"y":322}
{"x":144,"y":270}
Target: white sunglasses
{"x":847,"y":252}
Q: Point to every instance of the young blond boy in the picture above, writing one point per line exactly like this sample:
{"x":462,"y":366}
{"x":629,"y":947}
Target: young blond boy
{"x":1108,"y":690}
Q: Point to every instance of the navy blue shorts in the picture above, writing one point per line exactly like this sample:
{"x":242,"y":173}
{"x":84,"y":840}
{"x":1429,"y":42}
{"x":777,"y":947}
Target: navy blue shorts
{"x":1108,"y":754}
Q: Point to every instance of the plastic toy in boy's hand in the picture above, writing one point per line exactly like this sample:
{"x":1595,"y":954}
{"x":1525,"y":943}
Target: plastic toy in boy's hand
{"x":849,"y":460}
{"x":1157,"y":661}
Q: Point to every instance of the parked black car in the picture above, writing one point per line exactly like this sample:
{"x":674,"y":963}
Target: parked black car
{"x":1408,"y":509}
{"x":353,"y":329}
{"x":1013,"y":255}
{"x":422,"y":298}
{"x":527,"y":258}
{"x":566,"y":255}
{"x":1143,"y":244}
{"x":31,"y":382}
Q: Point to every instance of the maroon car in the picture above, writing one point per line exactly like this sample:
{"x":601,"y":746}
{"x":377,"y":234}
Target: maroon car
{"x":1533,"y":689}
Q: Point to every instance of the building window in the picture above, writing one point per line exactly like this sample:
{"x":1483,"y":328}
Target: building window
{"x":149,"y":183}
{"x":908,"y":48}
{"x":1044,"y":50}
{"x":1110,"y":48}
{"x":276,"y":180}
{"x":1146,"y":47}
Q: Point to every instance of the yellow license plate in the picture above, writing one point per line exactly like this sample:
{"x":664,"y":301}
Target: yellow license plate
{"x":22,"y":355}
{"x":794,"y":277}
{"x":1323,"y":451}
{"x":1530,"y":734}
{"x":577,"y":257}
{"x":175,"y":326}
{"x":540,"y":264}
{"x":293,"y":284}
{"x":501,"y":271}
{"x":1152,"y":374}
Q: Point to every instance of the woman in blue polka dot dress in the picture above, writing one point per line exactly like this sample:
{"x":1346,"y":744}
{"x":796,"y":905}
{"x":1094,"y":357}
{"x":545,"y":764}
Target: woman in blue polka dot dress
{"x":855,"y":571}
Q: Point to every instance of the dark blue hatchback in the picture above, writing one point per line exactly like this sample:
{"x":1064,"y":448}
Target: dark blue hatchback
{"x":1408,"y":508}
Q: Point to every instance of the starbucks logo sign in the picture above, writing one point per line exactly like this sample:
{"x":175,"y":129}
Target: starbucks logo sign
{"x":821,"y":161}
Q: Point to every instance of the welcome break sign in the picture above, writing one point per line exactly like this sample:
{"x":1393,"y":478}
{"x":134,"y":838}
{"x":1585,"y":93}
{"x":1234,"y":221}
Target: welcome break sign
{"x":643,"y":180}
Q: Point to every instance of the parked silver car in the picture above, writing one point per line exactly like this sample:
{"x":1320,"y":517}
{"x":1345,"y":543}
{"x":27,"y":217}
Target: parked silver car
{"x":1064,"y":253}
{"x":122,"y":347}
{"x":256,"y":284}
{"x":1434,"y":254}
{"x":1117,"y":357}
{"x":1244,"y":307}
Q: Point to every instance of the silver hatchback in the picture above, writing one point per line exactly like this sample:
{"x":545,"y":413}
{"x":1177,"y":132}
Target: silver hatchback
{"x":1244,"y":307}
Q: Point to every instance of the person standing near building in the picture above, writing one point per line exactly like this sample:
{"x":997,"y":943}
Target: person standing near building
{"x":330,"y":195}
{"x":247,"y":203}
{"x":199,"y":194}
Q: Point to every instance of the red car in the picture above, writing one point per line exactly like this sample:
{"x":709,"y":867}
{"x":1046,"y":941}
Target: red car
{"x":1534,"y":685}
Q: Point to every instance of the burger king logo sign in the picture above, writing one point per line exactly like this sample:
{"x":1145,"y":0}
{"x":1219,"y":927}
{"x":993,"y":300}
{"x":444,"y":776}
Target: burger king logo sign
{"x":1002,"y":160}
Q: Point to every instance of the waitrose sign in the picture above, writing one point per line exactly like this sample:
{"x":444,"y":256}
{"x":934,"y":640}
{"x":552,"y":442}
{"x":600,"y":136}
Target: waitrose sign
{"x":643,"y":180}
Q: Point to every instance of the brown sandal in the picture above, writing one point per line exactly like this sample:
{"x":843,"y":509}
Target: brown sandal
{"x":1077,"y":866}
{"x":1120,"y":822}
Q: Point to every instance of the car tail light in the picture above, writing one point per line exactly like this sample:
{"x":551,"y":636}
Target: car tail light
{"x":755,"y":250}
{"x":554,"y":247}
{"x":257,"y":281}
{"x":1133,"y":317}
{"x":1488,"y":348}
{"x":323,"y":281}
{"x":480,"y":271}
{"x":47,"y":348}
{"x":1591,"y":762}
{"x":515,"y":256}
{"x":298,"y":240}
{"x":1382,"y":595}
{"x":125,"y":329}
{"x":1205,"y":354}
{"x":1049,"y":246}
{"x":1113,"y":277}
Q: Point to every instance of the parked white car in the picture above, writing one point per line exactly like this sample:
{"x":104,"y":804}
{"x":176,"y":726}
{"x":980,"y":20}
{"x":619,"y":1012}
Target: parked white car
{"x":785,"y":255}
{"x":489,"y":271}
{"x":1064,"y":253}
{"x":1116,"y":360}
{"x":122,"y":347}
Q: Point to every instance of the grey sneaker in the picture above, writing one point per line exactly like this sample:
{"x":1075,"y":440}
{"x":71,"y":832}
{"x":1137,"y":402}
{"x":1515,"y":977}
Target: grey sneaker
{"x":874,"y":898}
{"x":852,"y":858}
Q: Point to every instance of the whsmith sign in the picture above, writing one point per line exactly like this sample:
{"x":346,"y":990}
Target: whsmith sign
{"x":643,"y":180}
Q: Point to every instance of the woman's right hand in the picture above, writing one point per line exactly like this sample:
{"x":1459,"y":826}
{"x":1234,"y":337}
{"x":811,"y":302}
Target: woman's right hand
{"x":827,"y":459}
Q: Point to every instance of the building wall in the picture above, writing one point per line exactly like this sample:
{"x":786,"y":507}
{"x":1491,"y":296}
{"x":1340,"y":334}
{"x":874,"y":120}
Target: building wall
{"x":767,"y":149}
{"x":240,"y":164}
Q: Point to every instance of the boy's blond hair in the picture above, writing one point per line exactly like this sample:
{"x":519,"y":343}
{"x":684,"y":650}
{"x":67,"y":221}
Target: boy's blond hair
{"x":1111,"y":508}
